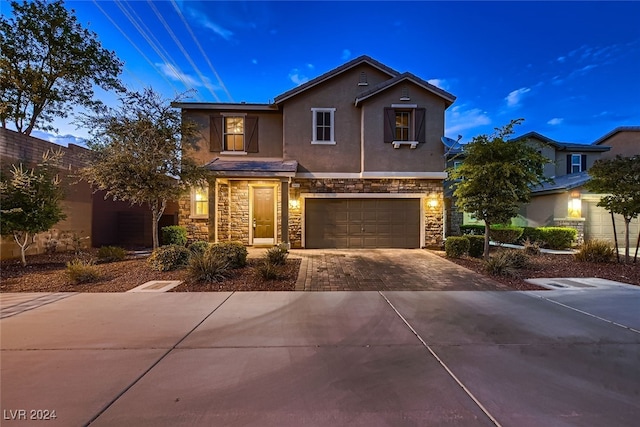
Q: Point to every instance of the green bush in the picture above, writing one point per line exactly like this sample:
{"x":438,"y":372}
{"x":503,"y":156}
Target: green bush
{"x":476,"y":245}
{"x":472,"y":229}
{"x":111,"y":253}
{"x":506,"y":263}
{"x":595,"y":251}
{"x":557,"y":237}
{"x":456,"y":246}
{"x":80,"y":271}
{"x":505,"y":233}
{"x":207,"y":267}
{"x":234,"y":253}
{"x":278,"y":254}
{"x":267,"y":270}
{"x":169,"y":257}
{"x":532,"y":234}
{"x":174,"y":235}
{"x":199,"y":247}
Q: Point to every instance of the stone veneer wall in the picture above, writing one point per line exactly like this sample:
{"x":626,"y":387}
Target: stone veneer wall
{"x":578,"y":224}
{"x":433,"y":220}
{"x":197,"y":228}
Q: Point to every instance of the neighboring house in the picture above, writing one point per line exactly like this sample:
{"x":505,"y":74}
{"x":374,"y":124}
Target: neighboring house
{"x":350,"y":159}
{"x":565,"y":202}
{"x":97,"y":221}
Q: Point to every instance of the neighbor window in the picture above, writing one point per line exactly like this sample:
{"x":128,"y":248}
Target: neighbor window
{"x":323,"y":126}
{"x":200,"y":202}
{"x":233,"y":135}
{"x":576,"y":163}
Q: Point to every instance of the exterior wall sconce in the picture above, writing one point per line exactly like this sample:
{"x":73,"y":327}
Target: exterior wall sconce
{"x":432,"y":203}
{"x":575,"y":207}
{"x":294,"y":204}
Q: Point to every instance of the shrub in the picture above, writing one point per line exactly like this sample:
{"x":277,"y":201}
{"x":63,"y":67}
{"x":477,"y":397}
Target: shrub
{"x":235,"y":253}
{"x":199,"y":247}
{"x":207,"y":267}
{"x":169,"y":257}
{"x":558,"y":237}
{"x":278,"y":254}
{"x":174,"y":235}
{"x":506,"y":263}
{"x":476,"y":245}
{"x":505,"y":233}
{"x":532,"y":234}
{"x":595,"y":251}
{"x":531,"y":248}
{"x":267,"y":270}
{"x":474,"y":229}
{"x":456,"y":246}
{"x":80,"y":271}
{"x":111,"y":253}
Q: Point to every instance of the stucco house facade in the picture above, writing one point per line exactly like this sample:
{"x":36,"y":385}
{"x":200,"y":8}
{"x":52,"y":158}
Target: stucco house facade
{"x":565,"y":201}
{"x":350,"y":159}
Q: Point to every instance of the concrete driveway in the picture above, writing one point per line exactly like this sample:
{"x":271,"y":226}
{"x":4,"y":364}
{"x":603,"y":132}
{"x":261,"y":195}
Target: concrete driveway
{"x":545,"y":358}
{"x":386,"y":270}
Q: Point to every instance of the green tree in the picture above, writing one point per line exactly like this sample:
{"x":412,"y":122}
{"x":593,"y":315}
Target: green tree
{"x":141,"y":152}
{"x":30,"y":200}
{"x":49,"y":63}
{"x":619,"y":178}
{"x":496,"y":177}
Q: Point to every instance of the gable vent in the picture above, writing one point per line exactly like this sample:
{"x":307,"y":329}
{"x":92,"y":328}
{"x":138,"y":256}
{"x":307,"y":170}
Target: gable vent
{"x":405,"y":94}
{"x":363,"y":79}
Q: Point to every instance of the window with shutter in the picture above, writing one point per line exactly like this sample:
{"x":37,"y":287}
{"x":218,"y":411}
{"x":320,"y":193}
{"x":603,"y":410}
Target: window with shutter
{"x":234,"y":134}
{"x":576,"y":163}
{"x":404,"y":125}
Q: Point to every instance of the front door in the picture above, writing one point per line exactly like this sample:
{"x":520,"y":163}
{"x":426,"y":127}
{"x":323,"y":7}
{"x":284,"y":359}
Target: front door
{"x":263,"y":216}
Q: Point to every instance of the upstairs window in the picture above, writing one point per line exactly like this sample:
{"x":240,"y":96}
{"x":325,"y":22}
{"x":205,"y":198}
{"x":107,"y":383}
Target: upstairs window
{"x":234,"y":134}
{"x":576,"y":163}
{"x":404,"y":125}
{"x":323,"y":126}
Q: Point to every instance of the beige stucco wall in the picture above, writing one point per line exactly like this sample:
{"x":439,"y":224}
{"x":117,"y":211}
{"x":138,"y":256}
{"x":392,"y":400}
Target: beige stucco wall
{"x":624,"y":143}
{"x":381,"y":156}
{"x":269,"y":134}
{"x":340,"y":93}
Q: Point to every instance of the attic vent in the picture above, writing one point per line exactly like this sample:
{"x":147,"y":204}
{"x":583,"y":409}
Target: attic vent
{"x":363,"y":79}
{"x":405,"y":95}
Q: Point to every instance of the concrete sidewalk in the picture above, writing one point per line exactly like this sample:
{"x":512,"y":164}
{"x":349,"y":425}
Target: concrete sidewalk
{"x":333,"y":358}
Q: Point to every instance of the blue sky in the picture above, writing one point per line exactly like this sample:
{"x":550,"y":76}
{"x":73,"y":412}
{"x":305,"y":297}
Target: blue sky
{"x":570,"y":69}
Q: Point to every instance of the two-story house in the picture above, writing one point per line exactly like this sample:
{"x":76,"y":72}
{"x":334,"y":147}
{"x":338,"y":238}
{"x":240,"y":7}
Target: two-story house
{"x":350,"y":159}
{"x":565,"y":201}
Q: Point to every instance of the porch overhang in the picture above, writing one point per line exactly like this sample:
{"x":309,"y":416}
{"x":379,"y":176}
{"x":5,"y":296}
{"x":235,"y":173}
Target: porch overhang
{"x":253,"y":168}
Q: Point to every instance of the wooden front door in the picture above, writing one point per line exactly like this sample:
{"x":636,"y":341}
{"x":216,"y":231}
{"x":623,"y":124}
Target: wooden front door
{"x":263,"y":215}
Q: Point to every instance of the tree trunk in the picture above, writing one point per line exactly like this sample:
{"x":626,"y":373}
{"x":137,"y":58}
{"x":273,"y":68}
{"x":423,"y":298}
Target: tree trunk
{"x":24,"y":245}
{"x":157,"y":209}
{"x":487,"y":227}
{"x":626,"y":240}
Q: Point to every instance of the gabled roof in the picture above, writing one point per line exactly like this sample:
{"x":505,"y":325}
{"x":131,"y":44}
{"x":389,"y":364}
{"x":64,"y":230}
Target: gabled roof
{"x":449,"y":98}
{"x":364,"y":59}
{"x":561,"y":184}
{"x":616,"y":130}
{"x":563,"y":146}
{"x":240,"y":106}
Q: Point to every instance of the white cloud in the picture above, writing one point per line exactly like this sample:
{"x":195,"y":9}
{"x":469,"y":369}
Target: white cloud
{"x":555,"y":121}
{"x":441,"y":83}
{"x":346,"y":54}
{"x":562,"y":59}
{"x":63,"y":140}
{"x":459,"y":120}
{"x":515,"y":97}
{"x":296,"y":77}
{"x":206,"y":23}
{"x":254,"y":61}
{"x":178,"y":76}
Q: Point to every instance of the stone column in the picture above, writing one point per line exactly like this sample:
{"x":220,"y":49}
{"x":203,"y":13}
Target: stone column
{"x":284,"y":215}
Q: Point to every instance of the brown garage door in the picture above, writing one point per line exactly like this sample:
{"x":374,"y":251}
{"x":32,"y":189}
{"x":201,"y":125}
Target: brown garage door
{"x":362,"y":223}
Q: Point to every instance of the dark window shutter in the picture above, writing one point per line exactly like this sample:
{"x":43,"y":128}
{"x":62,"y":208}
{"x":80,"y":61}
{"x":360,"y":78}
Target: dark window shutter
{"x":568,"y":164}
{"x":421,"y":114}
{"x":389,"y":124}
{"x":216,"y":133}
{"x":251,"y":133}
{"x":583,"y":163}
